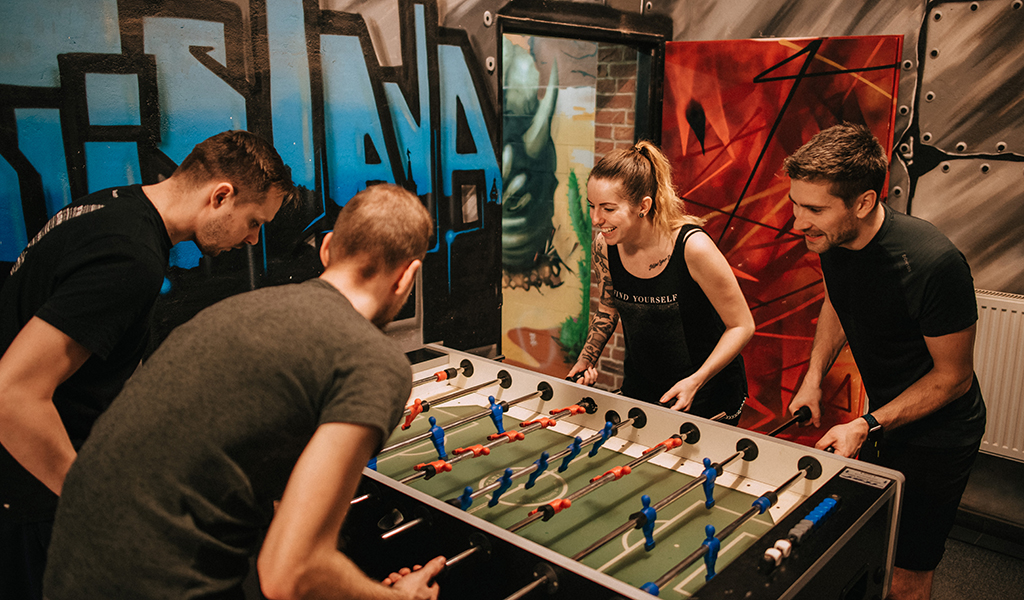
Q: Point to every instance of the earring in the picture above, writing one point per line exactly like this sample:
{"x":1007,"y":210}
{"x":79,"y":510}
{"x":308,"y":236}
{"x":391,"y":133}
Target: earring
{"x":641,"y":215}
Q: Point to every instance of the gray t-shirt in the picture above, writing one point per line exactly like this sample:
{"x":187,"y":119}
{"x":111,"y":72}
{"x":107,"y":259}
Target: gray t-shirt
{"x":173,"y":491}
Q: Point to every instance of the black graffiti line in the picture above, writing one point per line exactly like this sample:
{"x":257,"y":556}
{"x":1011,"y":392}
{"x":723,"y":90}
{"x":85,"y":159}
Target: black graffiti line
{"x":239,"y":84}
{"x":828,"y":73}
{"x":811,"y":50}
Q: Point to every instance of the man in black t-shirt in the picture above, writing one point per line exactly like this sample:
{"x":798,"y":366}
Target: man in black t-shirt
{"x":281,"y":393}
{"x":902,"y":295}
{"x":74,"y":318}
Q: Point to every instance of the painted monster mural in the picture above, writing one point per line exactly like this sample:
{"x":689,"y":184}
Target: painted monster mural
{"x":96,"y":93}
{"x":548,"y":131}
{"x":528,"y":164}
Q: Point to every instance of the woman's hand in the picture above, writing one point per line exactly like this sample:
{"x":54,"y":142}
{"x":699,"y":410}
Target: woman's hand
{"x":681,"y":394}
{"x":582,"y":372}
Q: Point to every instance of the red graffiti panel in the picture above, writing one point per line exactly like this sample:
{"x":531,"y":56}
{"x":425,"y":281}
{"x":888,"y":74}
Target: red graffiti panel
{"x":733,"y":111}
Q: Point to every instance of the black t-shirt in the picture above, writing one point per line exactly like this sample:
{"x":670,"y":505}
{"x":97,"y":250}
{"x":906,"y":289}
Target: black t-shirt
{"x":173,"y":490}
{"x":671,"y":328}
{"x":907,"y":283}
{"x":94,"y":273}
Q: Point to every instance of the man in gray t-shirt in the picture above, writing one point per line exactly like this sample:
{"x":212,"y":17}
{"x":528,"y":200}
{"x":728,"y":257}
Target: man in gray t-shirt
{"x":281,"y":394}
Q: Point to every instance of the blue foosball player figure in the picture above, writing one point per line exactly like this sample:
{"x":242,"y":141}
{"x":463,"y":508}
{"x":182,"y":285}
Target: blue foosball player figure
{"x":437,"y":437}
{"x":711,"y":555}
{"x":466,"y":499}
{"x":542,"y":465}
{"x":605,"y":434}
{"x":506,"y":482}
{"x":650,"y":516}
{"x":574,"y":449}
{"x":496,"y":414}
{"x":710,"y":474}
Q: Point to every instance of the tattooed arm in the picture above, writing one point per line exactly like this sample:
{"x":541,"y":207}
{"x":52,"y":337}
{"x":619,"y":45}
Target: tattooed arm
{"x":602,"y":322}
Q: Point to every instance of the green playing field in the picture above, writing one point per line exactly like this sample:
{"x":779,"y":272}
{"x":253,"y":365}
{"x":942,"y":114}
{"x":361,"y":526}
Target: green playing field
{"x":679,"y":528}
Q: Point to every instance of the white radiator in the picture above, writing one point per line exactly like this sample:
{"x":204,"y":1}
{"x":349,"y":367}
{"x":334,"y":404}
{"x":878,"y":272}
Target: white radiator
{"x":999,"y":363}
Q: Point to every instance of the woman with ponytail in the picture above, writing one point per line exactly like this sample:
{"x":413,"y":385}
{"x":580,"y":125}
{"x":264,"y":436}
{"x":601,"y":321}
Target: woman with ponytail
{"x":684,"y":317}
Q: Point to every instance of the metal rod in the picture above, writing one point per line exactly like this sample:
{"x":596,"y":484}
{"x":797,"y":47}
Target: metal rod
{"x":454,"y":395}
{"x":726,"y":531}
{"x":459,"y":423}
{"x":403,"y":527}
{"x":529,"y":588}
{"x":502,"y":439}
{"x":682,"y":491}
{"x":451,"y":562}
{"x":413,"y":477}
{"x":449,"y":372}
{"x":609,"y":477}
{"x":551,"y":459}
{"x":593,"y":485}
{"x":802,"y":414}
{"x":667,"y":500}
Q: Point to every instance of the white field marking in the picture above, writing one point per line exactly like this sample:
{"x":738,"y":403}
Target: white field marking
{"x":628,"y":548}
{"x":512,"y":490}
{"x":698,"y":571}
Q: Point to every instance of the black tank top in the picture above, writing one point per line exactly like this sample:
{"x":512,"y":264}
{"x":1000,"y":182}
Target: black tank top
{"x":671,"y":328}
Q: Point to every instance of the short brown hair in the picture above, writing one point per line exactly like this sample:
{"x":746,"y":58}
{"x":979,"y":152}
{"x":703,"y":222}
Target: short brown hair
{"x":846,"y":156}
{"x":643,"y":170}
{"x":245,"y":159}
{"x":385,"y":226}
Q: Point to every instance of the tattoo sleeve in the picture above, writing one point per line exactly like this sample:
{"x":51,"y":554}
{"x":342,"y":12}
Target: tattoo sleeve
{"x":605,"y":318}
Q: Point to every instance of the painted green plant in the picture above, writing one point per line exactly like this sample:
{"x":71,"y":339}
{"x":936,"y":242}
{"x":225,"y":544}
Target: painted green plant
{"x":573,"y":332}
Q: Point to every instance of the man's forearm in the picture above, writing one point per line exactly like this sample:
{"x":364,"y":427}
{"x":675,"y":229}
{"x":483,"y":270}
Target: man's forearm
{"x":829,"y":339}
{"x":32,"y":432}
{"x":925,"y":396}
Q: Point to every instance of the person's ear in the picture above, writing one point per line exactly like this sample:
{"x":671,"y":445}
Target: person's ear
{"x":325,"y":249}
{"x":221,"y":192}
{"x":404,"y":283}
{"x":865,"y":203}
{"x":645,"y":205}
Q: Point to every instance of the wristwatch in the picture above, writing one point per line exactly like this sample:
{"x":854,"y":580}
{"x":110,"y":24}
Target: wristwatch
{"x":874,"y":427}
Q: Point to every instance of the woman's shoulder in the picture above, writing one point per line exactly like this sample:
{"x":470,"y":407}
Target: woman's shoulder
{"x":688,"y":232}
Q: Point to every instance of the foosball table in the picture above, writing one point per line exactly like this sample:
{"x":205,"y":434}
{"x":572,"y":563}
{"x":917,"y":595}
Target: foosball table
{"x":533,"y":486}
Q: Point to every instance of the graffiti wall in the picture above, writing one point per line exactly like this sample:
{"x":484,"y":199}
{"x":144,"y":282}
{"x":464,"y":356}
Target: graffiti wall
{"x":96,"y":93}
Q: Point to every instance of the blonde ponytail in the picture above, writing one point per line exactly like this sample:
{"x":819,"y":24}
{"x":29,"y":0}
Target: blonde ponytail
{"x":643,"y":170}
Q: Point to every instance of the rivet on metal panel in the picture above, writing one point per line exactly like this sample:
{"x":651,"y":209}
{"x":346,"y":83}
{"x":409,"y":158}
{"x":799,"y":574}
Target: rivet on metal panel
{"x":904,"y":109}
{"x":974,"y":6}
{"x":929,"y":96}
{"x":1017,"y":4}
{"x":897,"y":191}
{"x":945,"y":167}
{"x":908,"y":65}
{"x":985,"y":168}
{"x":904,"y":148}
{"x":1000,"y":146}
{"x":490,"y":64}
{"x":937,"y":15}
{"x":961,"y":146}
{"x":934,"y":53}
{"x":488,"y":18}
{"x":926,"y":136}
